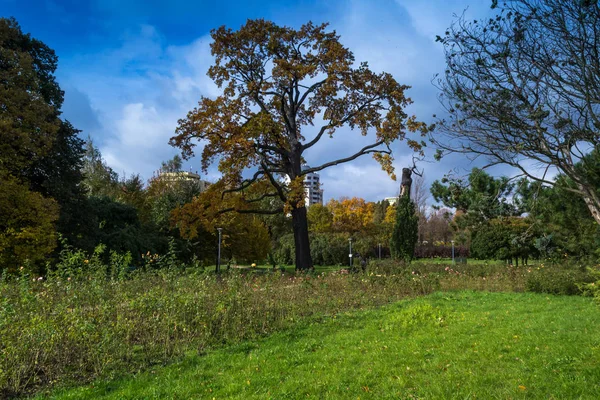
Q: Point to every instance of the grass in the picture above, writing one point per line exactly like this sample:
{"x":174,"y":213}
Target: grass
{"x":78,"y":325}
{"x":447,"y":345}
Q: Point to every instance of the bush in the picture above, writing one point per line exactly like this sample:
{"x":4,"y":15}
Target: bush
{"x":325,"y":249}
{"x":593,"y":288}
{"x":558,"y":280}
{"x":433,"y":251}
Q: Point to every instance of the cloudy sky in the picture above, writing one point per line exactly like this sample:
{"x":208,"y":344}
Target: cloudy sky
{"x":131,"y":68}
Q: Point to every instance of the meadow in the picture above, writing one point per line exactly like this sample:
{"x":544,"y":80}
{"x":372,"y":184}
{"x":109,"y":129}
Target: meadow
{"x":443,"y":346}
{"x":92,"y":322}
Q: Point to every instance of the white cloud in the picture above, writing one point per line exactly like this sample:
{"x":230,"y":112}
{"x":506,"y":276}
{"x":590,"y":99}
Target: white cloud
{"x":140,"y":89}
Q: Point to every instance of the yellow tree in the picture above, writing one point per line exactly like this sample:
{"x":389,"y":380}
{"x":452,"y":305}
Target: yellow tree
{"x":277,"y":81}
{"x":351,"y":215}
{"x":245,"y":236}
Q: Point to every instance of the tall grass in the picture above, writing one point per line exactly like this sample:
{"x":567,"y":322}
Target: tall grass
{"x":90,"y":320}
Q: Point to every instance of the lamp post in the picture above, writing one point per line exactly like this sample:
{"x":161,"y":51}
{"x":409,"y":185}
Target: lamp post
{"x":218,"y":268}
{"x":452,"y":241}
{"x":350,"y":255}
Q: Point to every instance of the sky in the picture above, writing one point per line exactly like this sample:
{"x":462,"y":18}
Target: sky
{"x":131,"y":68}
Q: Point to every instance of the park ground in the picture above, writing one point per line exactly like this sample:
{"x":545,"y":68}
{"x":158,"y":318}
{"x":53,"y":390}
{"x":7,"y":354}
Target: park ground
{"x":460,"y":344}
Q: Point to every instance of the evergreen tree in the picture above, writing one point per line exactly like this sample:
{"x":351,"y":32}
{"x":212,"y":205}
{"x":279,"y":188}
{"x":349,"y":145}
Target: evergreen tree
{"x":99,"y":179}
{"x":404,"y":235}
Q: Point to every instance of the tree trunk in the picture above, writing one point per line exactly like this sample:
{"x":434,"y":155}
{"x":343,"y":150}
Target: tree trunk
{"x":406,"y":182}
{"x":592,"y":201}
{"x":300,"y":224}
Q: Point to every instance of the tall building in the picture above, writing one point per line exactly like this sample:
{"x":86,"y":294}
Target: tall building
{"x":312,"y":188}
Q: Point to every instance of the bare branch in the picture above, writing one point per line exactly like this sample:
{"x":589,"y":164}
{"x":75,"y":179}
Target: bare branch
{"x":365,"y":150}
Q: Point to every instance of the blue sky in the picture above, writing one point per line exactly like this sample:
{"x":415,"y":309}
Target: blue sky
{"x":131,"y":69}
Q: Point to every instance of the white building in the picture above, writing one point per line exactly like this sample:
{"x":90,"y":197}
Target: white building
{"x":391,"y":200}
{"x":184,"y":176}
{"x":312,"y":188}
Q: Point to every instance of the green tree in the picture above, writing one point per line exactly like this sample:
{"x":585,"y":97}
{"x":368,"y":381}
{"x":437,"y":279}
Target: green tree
{"x":276,"y":81}
{"x":481,"y":196}
{"x":58,"y":175}
{"x":37,"y":150}
{"x":562,"y":218}
{"x":27,"y":219}
{"x":172,"y":165}
{"x":509,"y":238}
{"x":404,"y":235}
{"x":379,"y":211}
{"x":99,"y":179}
{"x":320,"y":218}
{"x":31,"y":99}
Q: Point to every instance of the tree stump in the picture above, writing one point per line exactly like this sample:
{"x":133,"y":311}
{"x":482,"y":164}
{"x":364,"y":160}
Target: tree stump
{"x":406,"y":182}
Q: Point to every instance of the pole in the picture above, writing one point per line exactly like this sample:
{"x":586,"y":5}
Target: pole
{"x":218,"y":268}
{"x":350,"y":241}
{"x":380,"y":251}
{"x":452,"y":251}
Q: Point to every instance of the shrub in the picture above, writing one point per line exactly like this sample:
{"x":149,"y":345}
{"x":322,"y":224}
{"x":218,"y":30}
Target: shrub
{"x":593,"y":288}
{"x":432,"y":251}
{"x":325,"y":249}
{"x":558,"y":280}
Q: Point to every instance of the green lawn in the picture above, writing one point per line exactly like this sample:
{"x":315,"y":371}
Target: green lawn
{"x":443,"y":346}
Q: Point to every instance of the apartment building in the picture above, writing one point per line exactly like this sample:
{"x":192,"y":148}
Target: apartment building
{"x":312,"y":188}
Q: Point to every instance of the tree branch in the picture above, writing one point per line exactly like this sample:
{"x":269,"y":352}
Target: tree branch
{"x":365,"y":150}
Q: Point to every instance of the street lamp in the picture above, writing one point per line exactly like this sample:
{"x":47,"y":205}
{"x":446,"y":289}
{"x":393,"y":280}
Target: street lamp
{"x":452,"y":241}
{"x":218,"y":268}
{"x":350,"y":255}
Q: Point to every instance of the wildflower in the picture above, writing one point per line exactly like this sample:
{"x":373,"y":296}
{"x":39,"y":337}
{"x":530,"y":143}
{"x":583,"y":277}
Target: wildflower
{"x":40,"y":279}
{"x":69,"y":278}
{"x":86,"y":261}
{"x":21,"y":268}
{"x":253,"y":265}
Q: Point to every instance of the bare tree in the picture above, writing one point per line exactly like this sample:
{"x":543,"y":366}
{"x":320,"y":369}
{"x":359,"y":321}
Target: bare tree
{"x":420,"y":194}
{"x":523,"y":89}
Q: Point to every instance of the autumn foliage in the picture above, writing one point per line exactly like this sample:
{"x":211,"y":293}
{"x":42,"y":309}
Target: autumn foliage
{"x":283,"y":90}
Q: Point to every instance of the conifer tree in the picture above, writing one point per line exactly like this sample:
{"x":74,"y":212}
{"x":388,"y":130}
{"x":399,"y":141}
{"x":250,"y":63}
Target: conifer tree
{"x":404,"y":236}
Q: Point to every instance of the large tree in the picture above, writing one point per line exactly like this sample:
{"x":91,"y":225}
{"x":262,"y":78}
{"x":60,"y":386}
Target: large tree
{"x":39,"y":153}
{"x":523,"y":88}
{"x":481,"y":197}
{"x":277,"y":83}
{"x":30,"y":100}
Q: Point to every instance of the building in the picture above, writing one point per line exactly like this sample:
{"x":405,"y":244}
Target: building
{"x":312,"y":188}
{"x":184,"y":176}
{"x":391,"y":200}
